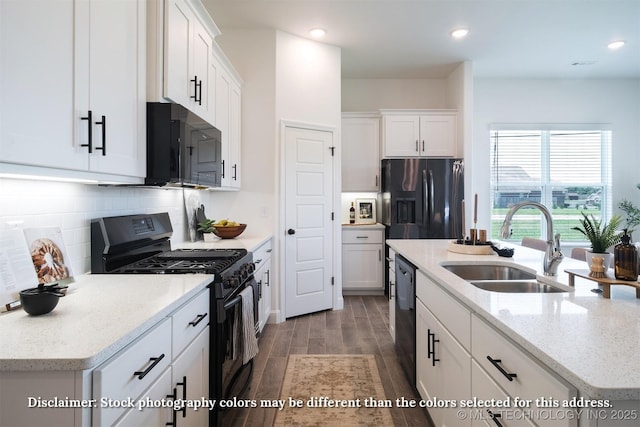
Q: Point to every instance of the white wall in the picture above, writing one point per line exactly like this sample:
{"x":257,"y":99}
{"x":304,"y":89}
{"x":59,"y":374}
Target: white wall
{"x":375,"y":94}
{"x":616,"y":102}
{"x":307,"y":81}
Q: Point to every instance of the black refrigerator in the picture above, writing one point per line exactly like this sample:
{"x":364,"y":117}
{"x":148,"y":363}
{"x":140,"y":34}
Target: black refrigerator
{"x":422,"y":198}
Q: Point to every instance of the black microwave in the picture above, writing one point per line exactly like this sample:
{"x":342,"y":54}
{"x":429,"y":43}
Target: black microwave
{"x":182,"y":148}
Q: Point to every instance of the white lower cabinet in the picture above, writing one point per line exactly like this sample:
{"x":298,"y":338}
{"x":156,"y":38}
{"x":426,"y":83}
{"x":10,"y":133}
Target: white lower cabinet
{"x":520,"y":376}
{"x":177,"y":349}
{"x":262,"y":274}
{"x":151,"y":416}
{"x":443,"y":365}
{"x":484,"y":388}
{"x":190,"y":380}
{"x":362,"y":255}
{"x":127,"y":374}
{"x":391,"y":259}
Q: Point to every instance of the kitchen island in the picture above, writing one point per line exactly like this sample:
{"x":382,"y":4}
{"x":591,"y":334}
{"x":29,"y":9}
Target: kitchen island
{"x":589,"y":343}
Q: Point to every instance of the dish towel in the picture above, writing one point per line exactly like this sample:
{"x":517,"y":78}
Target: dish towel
{"x":249,"y":340}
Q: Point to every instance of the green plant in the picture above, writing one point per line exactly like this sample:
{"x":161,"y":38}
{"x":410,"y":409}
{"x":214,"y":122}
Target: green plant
{"x":207,"y":226}
{"x":633,"y":212}
{"x":601,"y":235}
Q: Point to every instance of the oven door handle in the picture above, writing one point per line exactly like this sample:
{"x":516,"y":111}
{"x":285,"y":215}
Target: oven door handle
{"x":233,"y":302}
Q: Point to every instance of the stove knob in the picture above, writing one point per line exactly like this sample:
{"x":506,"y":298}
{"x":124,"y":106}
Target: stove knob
{"x":232,"y":282}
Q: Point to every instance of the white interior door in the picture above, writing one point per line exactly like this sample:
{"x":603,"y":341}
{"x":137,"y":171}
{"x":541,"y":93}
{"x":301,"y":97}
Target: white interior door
{"x":308,"y":222}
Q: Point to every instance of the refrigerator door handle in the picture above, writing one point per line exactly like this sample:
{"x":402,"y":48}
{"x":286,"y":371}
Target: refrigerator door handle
{"x":430,"y":193}
{"x":425,"y":198}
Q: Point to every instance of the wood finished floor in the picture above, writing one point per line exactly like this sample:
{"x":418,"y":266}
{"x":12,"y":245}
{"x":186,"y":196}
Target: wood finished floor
{"x":362,"y":327}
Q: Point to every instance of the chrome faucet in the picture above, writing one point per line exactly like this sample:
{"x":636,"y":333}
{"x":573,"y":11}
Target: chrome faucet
{"x":552,"y":257}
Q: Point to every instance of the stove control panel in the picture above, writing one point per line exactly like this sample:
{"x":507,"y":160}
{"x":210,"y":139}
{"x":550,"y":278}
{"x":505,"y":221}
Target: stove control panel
{"x":239,"y":276}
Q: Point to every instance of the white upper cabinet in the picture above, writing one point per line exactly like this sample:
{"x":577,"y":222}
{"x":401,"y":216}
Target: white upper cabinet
{"x":360,"y":152}
{"x":37,"y":101}
{"x":228,"y":99}
{"x":196,"y":74}
{"x":77,"y":101}
{"x":187,"y":57}
{"x":419,"y":133}
{"x":113,"y":86}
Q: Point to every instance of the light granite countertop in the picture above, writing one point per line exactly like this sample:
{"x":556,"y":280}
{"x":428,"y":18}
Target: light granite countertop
{"x":591,"y":342}
{"x":249,"y":242}
{"x":99,"y":316}
{"x":375,"y":226}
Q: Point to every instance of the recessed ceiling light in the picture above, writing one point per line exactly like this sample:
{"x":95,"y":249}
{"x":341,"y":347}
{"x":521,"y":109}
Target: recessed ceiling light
{"x":616,"y":44}
{"x":317,"y":33}
{"x":459,"y":33}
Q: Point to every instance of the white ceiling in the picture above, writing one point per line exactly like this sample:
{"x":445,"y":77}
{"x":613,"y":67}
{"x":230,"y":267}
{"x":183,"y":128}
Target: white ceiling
{"x":410,"y":39}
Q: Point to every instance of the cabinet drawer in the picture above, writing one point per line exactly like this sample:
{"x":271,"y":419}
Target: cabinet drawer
{"x":362,"y":236}
{"x":453,"y":315}
{"x":151,"y":416}
{"x":189,"y":320}
{"x":262,"y":254}
{"x":392,"y":261}
{"x":132,"y":370}
{"x":517,"y":372}
{"x":484,"y":388}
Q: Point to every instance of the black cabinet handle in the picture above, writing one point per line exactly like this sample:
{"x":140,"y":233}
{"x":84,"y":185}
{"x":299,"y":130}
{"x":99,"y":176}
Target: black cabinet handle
{"x":259,"y":289}
{"x":195,"y":88}
{"x":200,"y":92}
{"x":89,"y":120}
{"x":174,"y":421}
{"x":155,"y":360}
{"x":431,"y":347}
{"x":496,"y":363}
{"x":103,"y":123}
{"x":417,"y":146}
{"x":235,"y":172}
{"x":197,"y":320}
{"x":423,"y":145}
{"x":268,"y":279}
{"x":222,"y":175}
{"x":184,"y":395}
{"x":495,"y":417}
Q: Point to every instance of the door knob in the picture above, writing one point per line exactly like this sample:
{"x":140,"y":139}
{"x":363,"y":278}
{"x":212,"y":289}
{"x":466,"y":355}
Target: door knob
{"x":291,"y":231}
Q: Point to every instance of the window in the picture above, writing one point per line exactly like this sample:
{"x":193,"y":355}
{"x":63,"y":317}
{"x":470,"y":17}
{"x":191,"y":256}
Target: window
{"x":567,"y":170}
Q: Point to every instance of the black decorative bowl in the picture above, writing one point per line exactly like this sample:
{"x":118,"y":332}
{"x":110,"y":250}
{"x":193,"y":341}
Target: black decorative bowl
{"x":40,"y":300}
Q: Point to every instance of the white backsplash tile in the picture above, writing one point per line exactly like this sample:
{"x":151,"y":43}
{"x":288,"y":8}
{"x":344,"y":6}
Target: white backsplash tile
{"x":71,"y":207}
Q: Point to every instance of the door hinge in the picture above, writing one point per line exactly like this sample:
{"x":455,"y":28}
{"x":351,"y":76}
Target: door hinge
{"x":332,"y":281}
{"x":332,"y":150}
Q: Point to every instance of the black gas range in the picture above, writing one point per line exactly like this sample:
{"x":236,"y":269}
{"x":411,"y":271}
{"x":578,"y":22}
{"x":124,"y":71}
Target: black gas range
{"x":140,"y":244}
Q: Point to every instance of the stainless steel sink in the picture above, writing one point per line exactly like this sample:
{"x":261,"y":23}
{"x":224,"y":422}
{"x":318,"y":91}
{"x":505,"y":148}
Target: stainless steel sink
{"x":489,"y":272}
{"x":515,"y":286}
{"x":501,"y":278}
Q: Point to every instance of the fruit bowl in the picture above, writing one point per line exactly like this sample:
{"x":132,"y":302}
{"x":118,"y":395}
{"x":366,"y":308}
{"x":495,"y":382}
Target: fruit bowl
{"x":229,"y":232}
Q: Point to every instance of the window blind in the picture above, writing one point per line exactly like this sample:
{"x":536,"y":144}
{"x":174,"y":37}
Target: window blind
{"x":567,"y":170}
